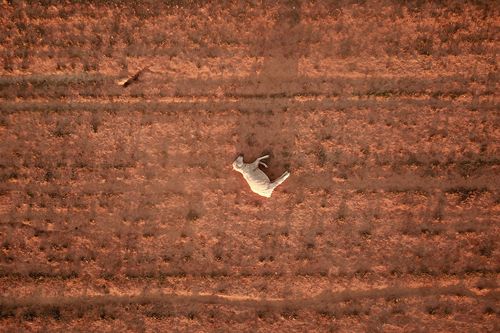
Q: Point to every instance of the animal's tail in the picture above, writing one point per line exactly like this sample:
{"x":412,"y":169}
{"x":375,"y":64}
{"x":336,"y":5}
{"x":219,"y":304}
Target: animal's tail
{"x":281,"y":179}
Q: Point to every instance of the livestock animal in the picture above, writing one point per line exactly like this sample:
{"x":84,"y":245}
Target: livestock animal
{"x":256,"y":178}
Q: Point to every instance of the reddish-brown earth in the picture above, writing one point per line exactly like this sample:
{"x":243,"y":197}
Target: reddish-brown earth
{"x":120,"y":211}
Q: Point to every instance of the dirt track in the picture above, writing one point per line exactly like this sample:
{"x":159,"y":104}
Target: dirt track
{"x":120,"y":211}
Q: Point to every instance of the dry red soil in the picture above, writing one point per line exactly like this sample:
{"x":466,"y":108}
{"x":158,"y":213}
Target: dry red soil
{"x":120,"y":210}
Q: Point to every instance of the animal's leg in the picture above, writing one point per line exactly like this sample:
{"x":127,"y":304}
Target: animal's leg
{"x":262,"y":158}
{"x":281,"y":179}
{"x":257,"y":162}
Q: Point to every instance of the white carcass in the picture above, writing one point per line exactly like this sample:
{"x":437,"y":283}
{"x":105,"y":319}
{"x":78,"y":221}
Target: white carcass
{"x":256,"y":178}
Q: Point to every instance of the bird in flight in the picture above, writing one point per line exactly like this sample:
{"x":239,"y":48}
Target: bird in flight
{"x":134,"y":78}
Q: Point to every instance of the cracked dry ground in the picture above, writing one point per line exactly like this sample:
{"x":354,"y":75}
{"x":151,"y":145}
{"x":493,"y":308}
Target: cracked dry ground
{"x":119,"y":209}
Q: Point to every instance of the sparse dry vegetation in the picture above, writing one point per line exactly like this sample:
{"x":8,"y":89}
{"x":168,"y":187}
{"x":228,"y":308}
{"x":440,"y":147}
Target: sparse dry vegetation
{"x":118,"y":208}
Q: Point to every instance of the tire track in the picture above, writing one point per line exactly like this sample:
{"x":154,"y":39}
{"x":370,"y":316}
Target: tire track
{"x":326,"y":297}
{"x":192,"y":103}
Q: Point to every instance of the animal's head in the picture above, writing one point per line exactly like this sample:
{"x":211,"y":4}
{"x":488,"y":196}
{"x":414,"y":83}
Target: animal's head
{"x":238,"y":163}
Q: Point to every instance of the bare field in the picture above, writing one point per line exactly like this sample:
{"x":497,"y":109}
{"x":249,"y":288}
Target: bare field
{"x":120,"y":211}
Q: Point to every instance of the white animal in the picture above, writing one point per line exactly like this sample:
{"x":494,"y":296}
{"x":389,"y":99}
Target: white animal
{"x":256,"y":178}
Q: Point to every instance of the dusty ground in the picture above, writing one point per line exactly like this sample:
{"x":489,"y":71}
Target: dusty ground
{"x":119,"y":209}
